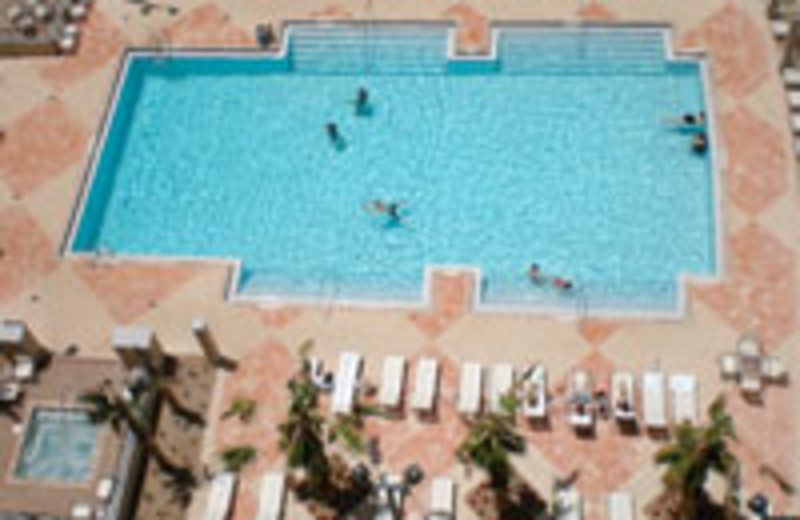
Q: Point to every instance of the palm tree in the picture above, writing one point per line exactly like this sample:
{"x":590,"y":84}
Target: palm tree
{"x":236,"y":457}
{"x":107,"y":406}
{"x":302,"y":433}
{"x":490,"y":441}
{"x":696,"y":452}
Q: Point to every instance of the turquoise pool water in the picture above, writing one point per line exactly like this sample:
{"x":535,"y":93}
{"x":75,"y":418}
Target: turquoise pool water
{"x":59,"y":446}
{"x":555,"y":153}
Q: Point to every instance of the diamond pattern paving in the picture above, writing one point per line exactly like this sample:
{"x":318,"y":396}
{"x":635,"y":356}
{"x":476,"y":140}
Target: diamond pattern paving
{"x":26,"y":254}
{"x":130,"y":289}
{"x":100,"y":42}
{"x":758,"y":165}
{"x":451,"y":296}
{"x":738,"y":48}
{"x":39,"y":146}
{"x":759,"y":291}
{"x":208,"y":26}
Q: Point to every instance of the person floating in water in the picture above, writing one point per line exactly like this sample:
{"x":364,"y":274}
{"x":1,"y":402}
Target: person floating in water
{"x":561,"y":283}
{"x":700,"y":143}
{"x":336,"y":139}
{"x":535,"y":274}
{"x":361,"y":103}
{"x":392,"y":210}
{"x":689,"y":121}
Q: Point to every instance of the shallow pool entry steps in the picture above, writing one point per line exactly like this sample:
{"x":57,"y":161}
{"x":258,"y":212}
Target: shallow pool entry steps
{"x":556,"y":149}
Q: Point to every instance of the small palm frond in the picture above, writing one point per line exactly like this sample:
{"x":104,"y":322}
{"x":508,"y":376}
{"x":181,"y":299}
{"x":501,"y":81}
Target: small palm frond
{"x":510,"y":403}
{"x":349,"y":435}
{"x":241,"y":407}
{"x":236,"y":457}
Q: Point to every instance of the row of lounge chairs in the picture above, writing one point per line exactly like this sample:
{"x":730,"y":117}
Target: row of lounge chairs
{"x":568,"y":505}
{"x":272,"y":498}
{"x":623,"y":407}
{"x":530,"y":386}
{"x":441,"y":503}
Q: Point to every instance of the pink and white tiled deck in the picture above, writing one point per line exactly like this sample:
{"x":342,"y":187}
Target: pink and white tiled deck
{"x":51,"y":108}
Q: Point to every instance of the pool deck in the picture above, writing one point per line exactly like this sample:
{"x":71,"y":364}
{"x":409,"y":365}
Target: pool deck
{"x":51,"y":109}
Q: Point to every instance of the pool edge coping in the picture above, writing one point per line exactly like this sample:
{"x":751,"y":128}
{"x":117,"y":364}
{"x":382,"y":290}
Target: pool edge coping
{"x":234,"y":265}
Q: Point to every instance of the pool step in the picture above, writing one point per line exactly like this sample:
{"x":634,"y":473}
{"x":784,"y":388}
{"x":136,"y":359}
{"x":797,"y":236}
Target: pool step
{"x":424,"y":50}
{"x":543,"y":50}
{"x":386,"y":49}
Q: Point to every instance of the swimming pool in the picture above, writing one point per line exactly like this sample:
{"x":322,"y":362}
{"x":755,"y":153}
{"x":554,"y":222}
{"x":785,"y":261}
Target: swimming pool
{"x":552,"y":152}
{"x":59,"y":447}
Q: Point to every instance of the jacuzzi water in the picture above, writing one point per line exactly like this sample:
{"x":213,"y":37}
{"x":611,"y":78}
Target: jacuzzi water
{"x":556,"y":153}
{"x":59,"y":446}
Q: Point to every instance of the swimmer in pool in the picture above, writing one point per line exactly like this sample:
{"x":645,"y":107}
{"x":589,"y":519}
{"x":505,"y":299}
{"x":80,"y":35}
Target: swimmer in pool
{"x":700,"y":143}
{"x":535,"y":274}
{"x":362,"y":102}
{"x":390,"y":209}
{"x":689,"y":121}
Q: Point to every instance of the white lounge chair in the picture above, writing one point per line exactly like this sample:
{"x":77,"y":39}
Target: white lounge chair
{"x":794,"y":99}
{"x":654,"y":400}
{"x":773,"y":369}
{"x":623,"y":397}
{"x":470,"y":389}
{"x":534,"y":393}
{"x":24,"y":368}
{"x":780,"y":29}
{"x":392,"y":382}
{"x":729,"y":366}
{"x":568,"y":504}
{"x":501,"y":382}
{"x":443,"y":500}
{"x":796,"y":123}
{"x":791,"y":77}
{"x":220,"y":496}
{"x":621,"y":506}
{"x":581,"y":401}
{"x":426,"y":385}
{"x":684,"y":398}
{"x":318,"y":376}
{"x":105,"y":488}
{"x":272,"y":497}
{"x":346,"y":383}
{"x":81,"y":512}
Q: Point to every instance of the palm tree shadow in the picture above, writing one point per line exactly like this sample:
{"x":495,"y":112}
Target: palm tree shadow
{"x":181,"y":485}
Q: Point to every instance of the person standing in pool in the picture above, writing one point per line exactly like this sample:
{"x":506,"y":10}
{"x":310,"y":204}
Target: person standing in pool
{"x":535,"y":274}
{"x":362,"y":102}
{"x":700,"y":143}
